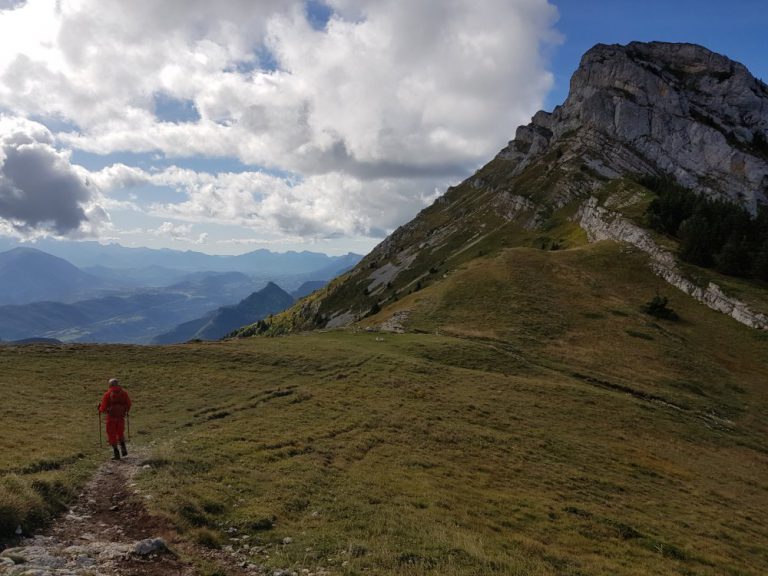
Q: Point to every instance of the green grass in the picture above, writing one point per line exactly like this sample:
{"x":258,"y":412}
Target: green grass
{"x":525,"y":429}
{"x":561,"y":307}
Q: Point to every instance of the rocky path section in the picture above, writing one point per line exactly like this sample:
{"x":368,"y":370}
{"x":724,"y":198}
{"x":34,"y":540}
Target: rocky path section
{"x":108,"y":532}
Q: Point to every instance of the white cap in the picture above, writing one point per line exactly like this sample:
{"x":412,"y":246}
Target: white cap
{"x":114,"y":382}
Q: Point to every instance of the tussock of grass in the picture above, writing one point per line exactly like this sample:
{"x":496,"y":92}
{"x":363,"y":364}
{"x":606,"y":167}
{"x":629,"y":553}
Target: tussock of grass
{"x":207,"y":538}
{"x":29,"y":501}
{"x":20,"y":504}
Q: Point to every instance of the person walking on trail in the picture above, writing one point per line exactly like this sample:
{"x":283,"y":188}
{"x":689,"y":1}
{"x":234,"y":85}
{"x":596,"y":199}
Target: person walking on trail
{"x":116,"y":404}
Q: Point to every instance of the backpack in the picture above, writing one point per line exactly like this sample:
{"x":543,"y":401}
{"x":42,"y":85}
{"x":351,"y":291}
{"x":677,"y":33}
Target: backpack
{"x":117,"y":406}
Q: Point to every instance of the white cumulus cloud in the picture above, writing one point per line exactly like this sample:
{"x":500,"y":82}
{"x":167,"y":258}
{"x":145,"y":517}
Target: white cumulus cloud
{"x":367,"y":115}
{"x":305,"y":208}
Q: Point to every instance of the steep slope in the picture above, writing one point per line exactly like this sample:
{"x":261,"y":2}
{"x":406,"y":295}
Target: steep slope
{"x":635,"y":113}
{"x":29,"y":275}
{"x":217,"y":324}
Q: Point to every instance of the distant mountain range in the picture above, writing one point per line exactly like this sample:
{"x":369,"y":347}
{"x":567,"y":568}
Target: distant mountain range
{"x":42,"y":295}
{"x":32,"y":341}
{"x":307,"y":288}
{"x":262,"y":263}
{"x":29,"y":275}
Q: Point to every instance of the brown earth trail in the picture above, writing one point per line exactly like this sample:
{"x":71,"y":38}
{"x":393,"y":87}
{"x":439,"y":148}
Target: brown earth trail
{"x":109,"y":531}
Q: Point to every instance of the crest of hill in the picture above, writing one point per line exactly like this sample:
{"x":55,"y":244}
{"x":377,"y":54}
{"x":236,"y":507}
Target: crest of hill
{"x":644,"y":112}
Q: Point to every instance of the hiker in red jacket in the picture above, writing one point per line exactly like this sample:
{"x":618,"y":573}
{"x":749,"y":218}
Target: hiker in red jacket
{"x":116,"y":404}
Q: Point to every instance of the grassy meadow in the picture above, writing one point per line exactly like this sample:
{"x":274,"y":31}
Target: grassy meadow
{"x":533,"y":421}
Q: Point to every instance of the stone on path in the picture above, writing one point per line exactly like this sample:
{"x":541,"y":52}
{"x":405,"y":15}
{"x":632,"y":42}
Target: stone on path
{"x":150,"y":546}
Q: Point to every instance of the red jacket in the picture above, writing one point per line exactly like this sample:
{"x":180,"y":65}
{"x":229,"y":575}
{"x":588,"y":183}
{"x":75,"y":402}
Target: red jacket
{"x":115,"y":402}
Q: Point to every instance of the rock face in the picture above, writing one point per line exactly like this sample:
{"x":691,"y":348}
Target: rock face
{"x":662,"y":109}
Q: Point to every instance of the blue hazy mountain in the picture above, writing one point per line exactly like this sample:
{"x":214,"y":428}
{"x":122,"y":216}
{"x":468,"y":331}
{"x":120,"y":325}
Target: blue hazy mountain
{"x":145,"y":276}
{"x":269,"y":300}
{"x":45,"y":296}
{"x":134,"y":317}
{"x":29,"y":275}
{"x":263,"y":263}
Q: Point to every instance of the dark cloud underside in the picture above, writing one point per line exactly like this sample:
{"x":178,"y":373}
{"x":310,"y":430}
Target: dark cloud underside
{"x":38,"y":190}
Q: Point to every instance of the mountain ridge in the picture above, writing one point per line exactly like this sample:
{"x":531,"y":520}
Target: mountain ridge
{"x":644,"y":110}
{"x":92,"y":253}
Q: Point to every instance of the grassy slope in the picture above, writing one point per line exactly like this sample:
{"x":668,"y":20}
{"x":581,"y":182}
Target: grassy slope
{"x":548,"y":428}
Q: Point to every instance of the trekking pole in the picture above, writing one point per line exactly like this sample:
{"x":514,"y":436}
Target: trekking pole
{"x":100,"y":442}
{"x":128,"y":419}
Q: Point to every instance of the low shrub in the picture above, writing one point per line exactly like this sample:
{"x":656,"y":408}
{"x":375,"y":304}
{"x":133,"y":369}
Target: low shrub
{"x":658,"y":308}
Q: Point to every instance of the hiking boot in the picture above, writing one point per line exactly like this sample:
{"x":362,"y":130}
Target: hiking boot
{"x":123,"y":449}
{"x":115,"y":453}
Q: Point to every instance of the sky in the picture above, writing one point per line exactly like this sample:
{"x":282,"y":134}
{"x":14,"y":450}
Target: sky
{"x":322,"y":125}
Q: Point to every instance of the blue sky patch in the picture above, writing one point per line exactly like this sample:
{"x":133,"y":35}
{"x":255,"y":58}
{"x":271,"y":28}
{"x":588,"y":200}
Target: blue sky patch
{"x":170,"y":109}
{"x":95,"y":162}
{"x":55,"y":125}
{"x":318,"y":13}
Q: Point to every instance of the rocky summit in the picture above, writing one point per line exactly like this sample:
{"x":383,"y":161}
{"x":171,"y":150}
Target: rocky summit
{"x":673,"y":113}
{"x":658,"y":108}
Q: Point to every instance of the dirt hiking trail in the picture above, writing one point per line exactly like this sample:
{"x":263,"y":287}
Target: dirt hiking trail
{"x":109,"y":532}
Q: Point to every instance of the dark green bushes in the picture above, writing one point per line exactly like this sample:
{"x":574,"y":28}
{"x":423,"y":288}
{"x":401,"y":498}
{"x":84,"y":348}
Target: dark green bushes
{"x":658,"y":308}
{"x":713,"y":233}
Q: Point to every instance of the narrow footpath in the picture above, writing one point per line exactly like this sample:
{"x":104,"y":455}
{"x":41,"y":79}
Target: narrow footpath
{"x":110,"y":532}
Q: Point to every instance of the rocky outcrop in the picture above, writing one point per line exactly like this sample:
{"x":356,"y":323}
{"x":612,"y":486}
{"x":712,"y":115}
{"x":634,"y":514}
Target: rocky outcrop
{"x":396,"y":322}
{"x":509,"y":206}
{"x":659,"y":108}
{"x":389,"y":271}
{"x":601,"y":223}
{"x":45,"y":556}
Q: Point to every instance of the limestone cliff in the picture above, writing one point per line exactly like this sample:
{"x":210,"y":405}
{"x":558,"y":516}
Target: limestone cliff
{"x":658,"y":108}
